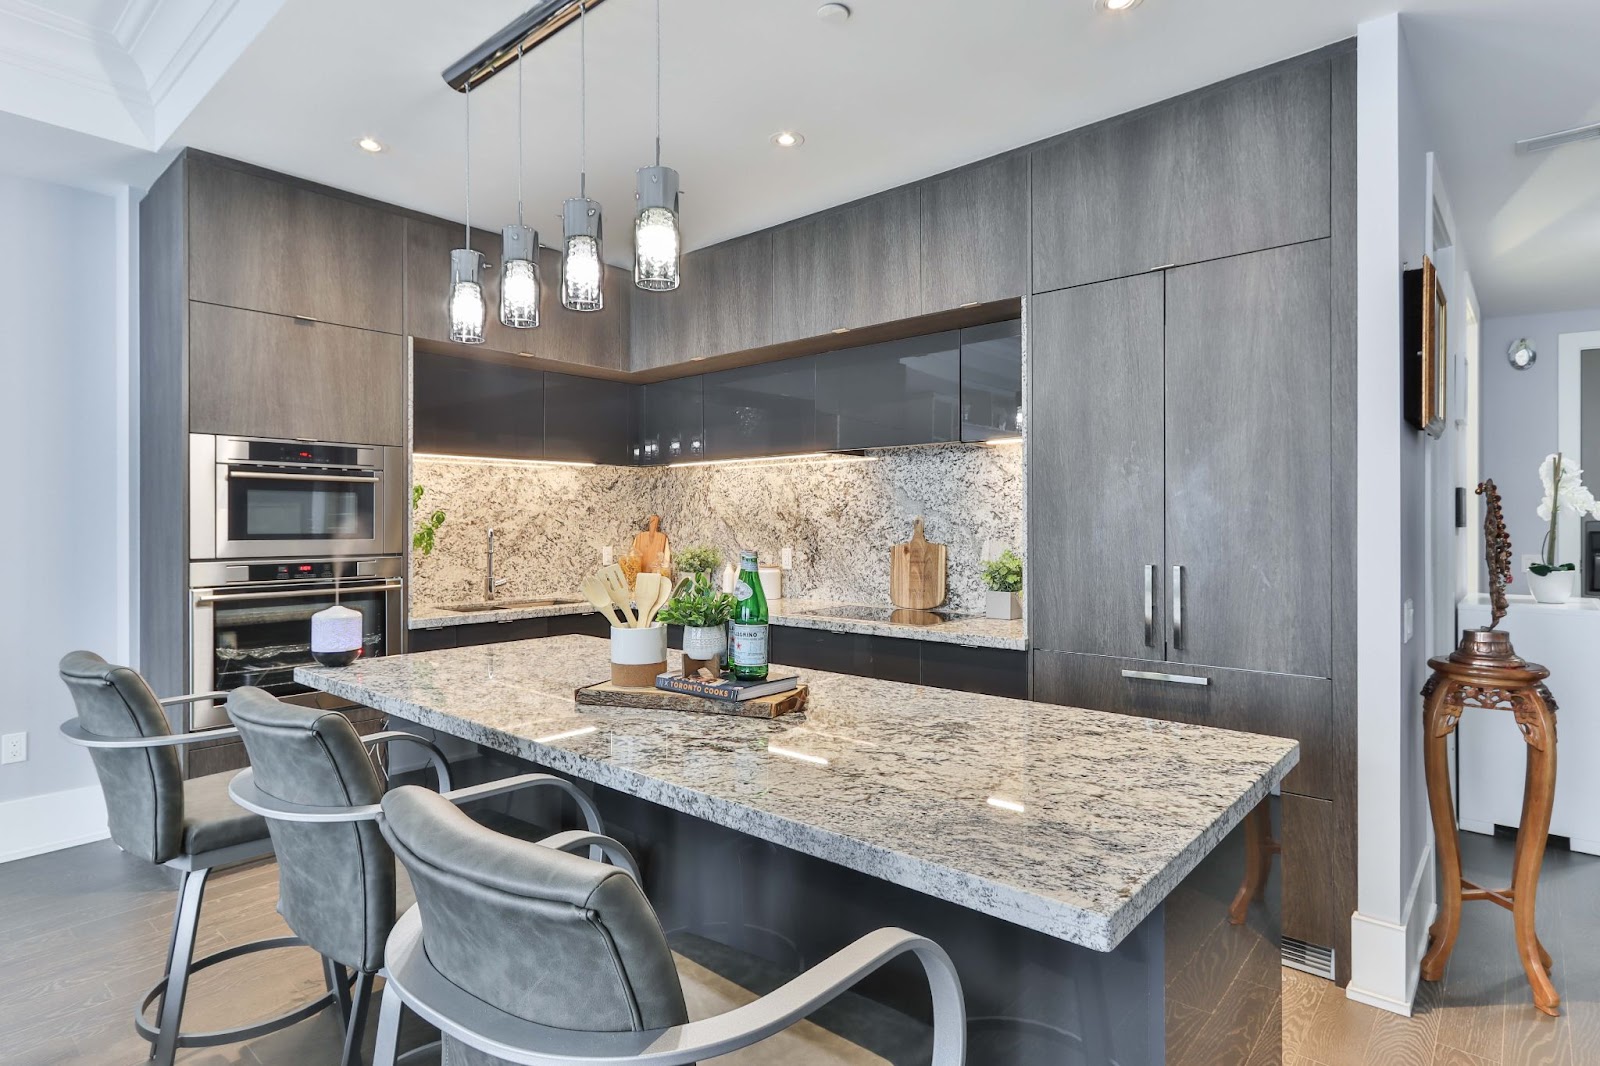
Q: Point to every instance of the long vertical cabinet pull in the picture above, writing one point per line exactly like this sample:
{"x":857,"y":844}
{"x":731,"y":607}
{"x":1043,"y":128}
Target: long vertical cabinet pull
{"x":1150,"y":605}
{"x":1177,"y":608}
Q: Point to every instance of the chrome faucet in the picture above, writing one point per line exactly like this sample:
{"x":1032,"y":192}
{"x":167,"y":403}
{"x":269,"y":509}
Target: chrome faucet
{"x":491,"y":583}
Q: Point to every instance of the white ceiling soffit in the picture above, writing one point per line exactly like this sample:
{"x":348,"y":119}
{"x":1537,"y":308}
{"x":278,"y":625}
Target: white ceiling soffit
{"x":127,"y":71}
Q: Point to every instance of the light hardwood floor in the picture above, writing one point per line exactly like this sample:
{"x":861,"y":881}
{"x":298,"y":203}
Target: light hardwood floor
{"x":86,"y":929}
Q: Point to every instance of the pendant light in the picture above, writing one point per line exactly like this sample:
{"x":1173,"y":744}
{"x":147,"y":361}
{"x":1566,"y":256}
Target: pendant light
{"x":582,"y":269}
{"x":466,"y":268}
{"x":519,"y":250}
{"x":656,"y":243}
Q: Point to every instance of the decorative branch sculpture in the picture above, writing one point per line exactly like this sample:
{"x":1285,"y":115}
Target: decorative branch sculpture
{"x":1496,"y":551}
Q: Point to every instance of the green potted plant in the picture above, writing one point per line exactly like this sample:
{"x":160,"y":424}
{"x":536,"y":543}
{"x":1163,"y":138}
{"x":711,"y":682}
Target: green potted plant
{"x":1003,"y":576}
{"x":1551,"y":580}
{"x":703,"y":612}
{"x":698,"y":559}
{"x":426,"y":530}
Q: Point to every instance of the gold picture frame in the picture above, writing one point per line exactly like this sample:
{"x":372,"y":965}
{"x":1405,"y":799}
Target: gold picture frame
{"x":1435,"y":352}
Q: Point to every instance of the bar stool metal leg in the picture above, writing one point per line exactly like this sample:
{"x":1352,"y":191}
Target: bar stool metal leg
{"x":360,"y":1001}
{"x":190,"y":895}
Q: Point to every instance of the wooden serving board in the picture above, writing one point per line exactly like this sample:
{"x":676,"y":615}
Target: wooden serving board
{"x":650,"y":546}
{"x":605,"y":694}
{"x":916,"y":572}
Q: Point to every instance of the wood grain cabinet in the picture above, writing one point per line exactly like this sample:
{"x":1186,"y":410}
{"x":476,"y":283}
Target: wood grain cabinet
{"x":723,"y":305}
{"x":264,"y":375}
{"x":974,"y":234}
{"x":594,"y":339}
{"x":266,"y":244}
{"x":853,"y":266}
{"x":1236,"y":168}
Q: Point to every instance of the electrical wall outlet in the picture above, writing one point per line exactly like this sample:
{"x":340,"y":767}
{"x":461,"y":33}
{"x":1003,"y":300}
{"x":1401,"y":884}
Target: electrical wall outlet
{"x":786,"y":558}
{"x":14,"y":747}
{"x":605,"y":555}
{"x":1409,"y":621}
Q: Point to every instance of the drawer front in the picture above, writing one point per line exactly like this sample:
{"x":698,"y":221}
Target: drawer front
{"x":1281,"y":705}
{"x":500,"y":632}
{"x":431,"y":639}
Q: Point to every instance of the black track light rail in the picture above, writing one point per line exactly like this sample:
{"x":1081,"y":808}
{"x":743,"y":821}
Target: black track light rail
{"x":524,"y":33}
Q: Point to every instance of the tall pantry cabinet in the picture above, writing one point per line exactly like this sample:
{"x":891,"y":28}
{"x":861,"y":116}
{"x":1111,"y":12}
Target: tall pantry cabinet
{"x":1191,"y":510}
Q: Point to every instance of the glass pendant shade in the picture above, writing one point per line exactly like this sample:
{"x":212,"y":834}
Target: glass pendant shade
{"x":656,"y":245}
{"x":519,"y":277}
{"x":467,"y":311}
{"x":582,"y":269}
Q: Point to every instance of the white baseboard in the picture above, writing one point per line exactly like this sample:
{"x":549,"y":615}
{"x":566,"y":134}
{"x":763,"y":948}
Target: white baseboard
{"x":34,"y":825}
{"x":1385,"y":956}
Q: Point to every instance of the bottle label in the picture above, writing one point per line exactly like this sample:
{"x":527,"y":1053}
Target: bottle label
{"x":742,"y":591}
{"x":749,"y":645}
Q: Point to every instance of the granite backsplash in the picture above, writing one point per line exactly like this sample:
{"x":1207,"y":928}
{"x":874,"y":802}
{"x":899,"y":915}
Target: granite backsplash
{"x":839,"y":515}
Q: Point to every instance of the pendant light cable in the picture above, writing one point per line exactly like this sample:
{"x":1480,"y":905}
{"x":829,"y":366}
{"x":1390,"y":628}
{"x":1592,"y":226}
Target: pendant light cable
{"x":519,"y":134}
{"x":466,"y":94}
{"x":583,"y":99}
{"x":658,"y":83}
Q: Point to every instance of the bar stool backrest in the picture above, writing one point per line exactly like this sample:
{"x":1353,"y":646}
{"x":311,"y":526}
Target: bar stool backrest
{"x":549,"y":937}
{"x":336,"y":880}
{"x":143,"y":786}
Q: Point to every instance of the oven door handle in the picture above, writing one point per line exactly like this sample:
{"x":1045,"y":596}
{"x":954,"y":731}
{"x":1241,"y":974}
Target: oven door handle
{"x":256,"y":475}
{"x":203,"y":597}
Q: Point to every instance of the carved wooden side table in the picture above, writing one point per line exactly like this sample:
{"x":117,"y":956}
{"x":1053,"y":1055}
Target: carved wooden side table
{"x":1485,"y":672}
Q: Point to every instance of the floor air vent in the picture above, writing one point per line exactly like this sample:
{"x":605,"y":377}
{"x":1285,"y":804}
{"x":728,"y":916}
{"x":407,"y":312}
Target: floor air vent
{"x":1312,"y":958}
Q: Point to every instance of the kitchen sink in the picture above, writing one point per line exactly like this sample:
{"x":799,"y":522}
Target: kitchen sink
{"x":510,"y":605}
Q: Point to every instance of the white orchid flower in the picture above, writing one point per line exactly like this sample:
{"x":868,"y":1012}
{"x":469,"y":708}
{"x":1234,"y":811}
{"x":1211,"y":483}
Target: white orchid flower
{"x":1563,"y":491}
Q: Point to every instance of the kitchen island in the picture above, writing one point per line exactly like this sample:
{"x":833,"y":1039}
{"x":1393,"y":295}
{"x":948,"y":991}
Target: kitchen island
{"x":1064,"y":857}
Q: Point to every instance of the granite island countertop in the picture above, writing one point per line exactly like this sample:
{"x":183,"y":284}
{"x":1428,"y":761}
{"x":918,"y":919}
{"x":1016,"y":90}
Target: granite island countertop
{"x":1071,"y":822}
{"x":970,"y":631}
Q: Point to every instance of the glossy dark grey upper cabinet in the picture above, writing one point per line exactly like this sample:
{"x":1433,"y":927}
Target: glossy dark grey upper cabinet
{"x":671,"y":421}
{"x":476,"y":407}
{"x":975,"y":234}
{"x":276,"y":246}
{"x":853,"y":266}
{"x":1236,"y":168}
{"x":884,"y":395}
{"x":724,"y":305}
{"x":991,"y":381}
{"x":762,"y":410}
{"x":587,"y":419}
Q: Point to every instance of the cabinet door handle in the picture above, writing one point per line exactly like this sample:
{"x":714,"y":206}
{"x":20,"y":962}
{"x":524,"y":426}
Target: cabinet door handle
{"x":1177,"y":608}
{"x":1150,"y":605}
{"x":1175,"y":679}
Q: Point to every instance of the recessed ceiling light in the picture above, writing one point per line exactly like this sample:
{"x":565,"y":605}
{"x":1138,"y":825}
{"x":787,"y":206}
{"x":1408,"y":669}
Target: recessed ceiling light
{"x":833,"y":13}
{"x":370,"y":144}
{"x":788,"y":139}
{"x":1118,"y":5}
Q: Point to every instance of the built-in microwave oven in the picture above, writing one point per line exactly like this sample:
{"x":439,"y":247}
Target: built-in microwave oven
{"x":263,"y":498}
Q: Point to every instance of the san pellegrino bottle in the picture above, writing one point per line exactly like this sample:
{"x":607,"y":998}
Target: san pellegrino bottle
{"x":747,"y":659}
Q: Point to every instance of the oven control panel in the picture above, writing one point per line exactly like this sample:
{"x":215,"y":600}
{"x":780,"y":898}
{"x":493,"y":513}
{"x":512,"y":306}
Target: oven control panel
{"x":290,"y":571}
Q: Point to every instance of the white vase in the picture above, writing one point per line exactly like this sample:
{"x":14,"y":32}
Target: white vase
{"x":1554,"y":587}
{"x":704,"y":642}
{"x":1003,"y":605}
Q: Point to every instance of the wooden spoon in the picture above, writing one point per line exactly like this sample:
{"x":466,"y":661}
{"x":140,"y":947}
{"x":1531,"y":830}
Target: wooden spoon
{"x":646,"y":594}
{"x":617,"y":587}
{"x":594,"y":590}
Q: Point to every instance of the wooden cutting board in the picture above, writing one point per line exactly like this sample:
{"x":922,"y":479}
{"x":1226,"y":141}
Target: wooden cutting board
{"x":650,"y":546}
{"x":605,"y":694}
{"x":916,"y":572}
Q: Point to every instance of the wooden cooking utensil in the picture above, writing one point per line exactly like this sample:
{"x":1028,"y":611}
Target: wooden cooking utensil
{"x":594,"y":590}
{"x":617,"y":588}
{"x":667,"y":589}
{"x":651,"y":546}
{"x":646,"y":592}
{"x":916,"y":572}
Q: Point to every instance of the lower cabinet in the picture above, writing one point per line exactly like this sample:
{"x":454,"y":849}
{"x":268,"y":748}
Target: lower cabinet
{"x":992,"y":671}
{"x":471,"y":634}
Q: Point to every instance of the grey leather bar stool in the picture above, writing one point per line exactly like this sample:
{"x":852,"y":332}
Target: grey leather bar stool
{"x":154,"y":814}
{"x":312,"y":779}
{"x":520,"y":953}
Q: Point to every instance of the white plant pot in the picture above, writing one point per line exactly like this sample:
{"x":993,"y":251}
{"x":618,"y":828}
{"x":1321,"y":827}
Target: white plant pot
{"x":704,"y":642}
{"x":1003,"y":605}
{"x":1554,"y":587}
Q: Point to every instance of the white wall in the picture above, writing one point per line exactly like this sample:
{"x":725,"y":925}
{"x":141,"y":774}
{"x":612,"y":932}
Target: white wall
{"x":1405,"y":536}
{"x":1519,"y":418}
{"x":63,"y":541}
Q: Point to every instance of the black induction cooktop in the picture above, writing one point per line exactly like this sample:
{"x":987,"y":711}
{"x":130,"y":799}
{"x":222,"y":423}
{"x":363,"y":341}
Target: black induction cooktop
{"x":899,"y":616}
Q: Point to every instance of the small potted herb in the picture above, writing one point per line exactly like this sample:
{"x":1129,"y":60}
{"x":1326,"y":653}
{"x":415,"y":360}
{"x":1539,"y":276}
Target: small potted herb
{"x":1549,"y":580}
{"x":699,"y":559}
{"x":703,"y":612}
{"x":1003,"y":576}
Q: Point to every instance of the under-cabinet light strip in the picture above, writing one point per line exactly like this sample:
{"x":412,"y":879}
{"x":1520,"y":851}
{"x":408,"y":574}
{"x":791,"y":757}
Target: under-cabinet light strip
{"x":804,"y":457}
{"x":489,"y":460}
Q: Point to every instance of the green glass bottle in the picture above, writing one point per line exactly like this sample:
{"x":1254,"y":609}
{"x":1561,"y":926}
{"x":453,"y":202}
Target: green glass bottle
{"x":747,"y":655}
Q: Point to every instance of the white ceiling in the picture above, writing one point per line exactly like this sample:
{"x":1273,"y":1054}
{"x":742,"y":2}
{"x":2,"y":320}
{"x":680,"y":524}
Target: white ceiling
{"x":905,"y":89}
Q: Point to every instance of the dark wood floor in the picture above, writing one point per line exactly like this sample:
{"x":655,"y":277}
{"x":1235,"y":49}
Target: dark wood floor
{"x":86,"y":929}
